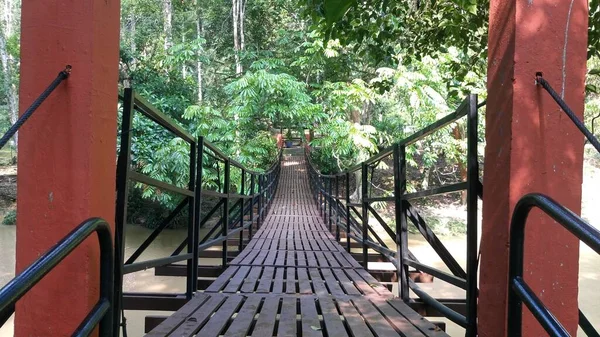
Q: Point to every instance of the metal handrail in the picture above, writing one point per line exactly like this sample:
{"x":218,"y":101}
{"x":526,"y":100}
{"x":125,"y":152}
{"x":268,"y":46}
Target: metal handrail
{"x":567,"y":110}
{"x":518,"y":290}
{"x":331,"y":202}
{"x":101,"y":314}
{"x":256,"y":189}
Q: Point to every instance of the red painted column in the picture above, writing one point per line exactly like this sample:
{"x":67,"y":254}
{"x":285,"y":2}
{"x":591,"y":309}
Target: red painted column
{"x":532,"y":146}
{"x":67,"y":153}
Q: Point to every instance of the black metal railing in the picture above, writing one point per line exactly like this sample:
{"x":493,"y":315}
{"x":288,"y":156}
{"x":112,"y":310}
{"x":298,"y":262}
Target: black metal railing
{"x":519,"y":292}
{"x":101,"y":314}
{"x":63,"y":75}
{"x":351,"y":216}
{"x":242,"y":205}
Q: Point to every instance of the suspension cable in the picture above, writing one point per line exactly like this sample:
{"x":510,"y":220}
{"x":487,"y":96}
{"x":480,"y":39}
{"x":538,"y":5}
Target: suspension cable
{"x":63,"y":75}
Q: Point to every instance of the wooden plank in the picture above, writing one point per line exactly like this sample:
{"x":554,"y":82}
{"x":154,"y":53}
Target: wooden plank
{"x":236,"y":281}
{"x":291,"y":258}
{"x":250,"y":257}
{"x":400,"y":322}
{"x":354,"y":319}
{"x":265,"y":280}
{"x":332,"y":283}
{"x":287,"y":318}
{"x":322,"y":260}
{"x":198,"y":318}
{"x":360,"y":282}
{"x":303,"y":282}
{"x":278,"y":281}
{"x":378,"y":287}
{"x":331,"y":259}
{"x":311,"y":326}
{"x":374,"y":318}
{"x":265,"y":324}
{"x":171,"y":323}
{"x":251,"y":279}
{"x":290,"y":282}
{"x":222,"y":280}
{"x":428,"y":328}
{"x":331,"y":318}
{"x":242,"y":322}
{"x":218,"y":321}
{"x":317,"y":282}
{"x":345,"y":282}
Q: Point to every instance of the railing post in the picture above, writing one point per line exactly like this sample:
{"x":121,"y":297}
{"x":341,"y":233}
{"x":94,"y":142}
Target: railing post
{"x":472,"y":197}
{"x":242,"y":192}
{"x":197,"y":206}
{"x":192,"y":283}
{"x":225,"y":222}
{"x":320,"y":195}
{"x":259,"y":202}
{"x":399,"y":158}
{"x":365,"y":215}
{"x":123,"y":164}
{"x":348,"y":211}
{"x":337,"y":208}
{"x":251,"y":207}
{"x":330,"y":204}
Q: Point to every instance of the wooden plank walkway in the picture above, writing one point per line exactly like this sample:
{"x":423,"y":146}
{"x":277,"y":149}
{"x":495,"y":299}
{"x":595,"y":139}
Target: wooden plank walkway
{"x":294,"y":279}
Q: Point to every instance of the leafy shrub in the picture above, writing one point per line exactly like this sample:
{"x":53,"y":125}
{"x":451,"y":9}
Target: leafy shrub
{"x":10,"y":218}
{"x":148,"y":212}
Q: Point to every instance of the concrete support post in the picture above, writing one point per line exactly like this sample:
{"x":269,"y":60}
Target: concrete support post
{"x":532,"y":147}
{"x":66,"y":168}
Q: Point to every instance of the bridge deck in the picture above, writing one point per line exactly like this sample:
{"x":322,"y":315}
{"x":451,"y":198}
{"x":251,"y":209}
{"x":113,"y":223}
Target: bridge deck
{"x":294,"y":279}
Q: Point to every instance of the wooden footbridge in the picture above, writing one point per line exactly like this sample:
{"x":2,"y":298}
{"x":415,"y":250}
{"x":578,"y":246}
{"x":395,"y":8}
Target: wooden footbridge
{"x":290,"y":274}
{"x":294,"y":279}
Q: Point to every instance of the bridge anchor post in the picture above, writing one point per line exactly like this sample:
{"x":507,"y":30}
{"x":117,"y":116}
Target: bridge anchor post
{"x":532,"y":147}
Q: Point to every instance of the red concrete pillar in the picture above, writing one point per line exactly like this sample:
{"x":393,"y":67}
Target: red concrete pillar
{"x":67,"y":153}
{"x":532,"y":147}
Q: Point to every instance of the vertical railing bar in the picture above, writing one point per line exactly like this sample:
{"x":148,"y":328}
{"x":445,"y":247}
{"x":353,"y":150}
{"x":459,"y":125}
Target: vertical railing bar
{"x":472,"y":236}
{"x":251,"y":207}
{"x":348,"y":211}
{"x":399,"y":157}
{"x":197,"y":206}
{"x":337,"y":208}
{"x":330,"y":205}
{"x":242,"y":211}
{"x":191,"y":284}
{"x":123,"y":164}
{"x":259,"y":207}
{"x":225,"y":223}
{"x":365,"y":216}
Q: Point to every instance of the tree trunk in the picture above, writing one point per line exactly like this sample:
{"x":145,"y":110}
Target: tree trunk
{"x":128,"y":68}
{"x":167,"y":24}
{"x":200,"y":34}
{"x":458,"y":134}
{"x":8,"y":83}
{"x":183,"y":66}
{"x":8,"y":18}
{"x":357,"y":194}
{"x":238,"y":10}
{"x":242,"y":15}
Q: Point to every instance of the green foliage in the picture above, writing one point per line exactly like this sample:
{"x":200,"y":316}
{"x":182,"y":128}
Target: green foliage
{"x":343,"y":144}
{"x":265,"y":95}
{"x":390,"y":31}
{"x":10,"y":218}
